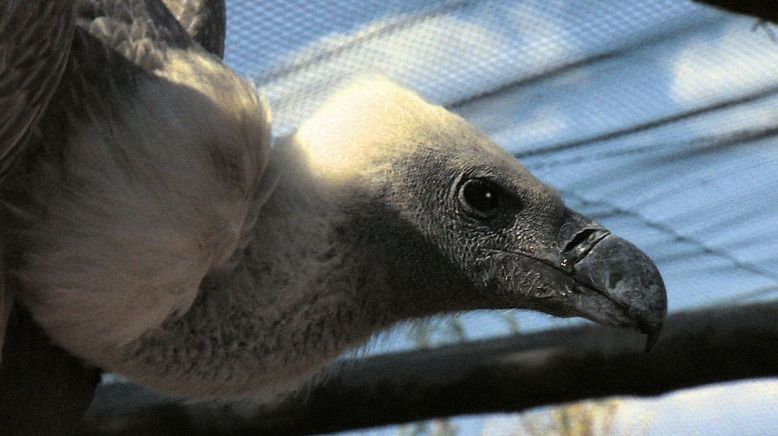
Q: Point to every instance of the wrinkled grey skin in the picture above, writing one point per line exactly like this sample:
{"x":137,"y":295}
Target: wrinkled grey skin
{"x":162,"y":238}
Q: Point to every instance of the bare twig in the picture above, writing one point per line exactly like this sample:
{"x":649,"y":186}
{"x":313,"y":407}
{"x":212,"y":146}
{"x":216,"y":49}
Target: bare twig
{"x":764,"y":10}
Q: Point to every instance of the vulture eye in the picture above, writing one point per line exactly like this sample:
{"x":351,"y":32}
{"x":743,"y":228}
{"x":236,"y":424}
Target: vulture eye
{"x":481,"y":198}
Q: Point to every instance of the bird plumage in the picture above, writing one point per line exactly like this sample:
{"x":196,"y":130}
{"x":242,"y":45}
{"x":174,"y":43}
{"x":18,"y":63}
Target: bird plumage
{"x":144,"y":182}
{"x":34,"y":46}
{"x":46,"y":389}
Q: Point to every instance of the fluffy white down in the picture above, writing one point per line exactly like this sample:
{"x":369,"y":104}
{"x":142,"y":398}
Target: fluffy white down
{"x":158,"y":188}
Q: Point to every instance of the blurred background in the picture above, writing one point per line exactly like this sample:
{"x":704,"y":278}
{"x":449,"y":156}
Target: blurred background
{"x":658,"y":119}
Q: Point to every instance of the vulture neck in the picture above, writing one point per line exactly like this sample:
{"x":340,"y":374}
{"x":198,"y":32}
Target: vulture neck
{"x":308,"y":287}
{"x":310,"y":260}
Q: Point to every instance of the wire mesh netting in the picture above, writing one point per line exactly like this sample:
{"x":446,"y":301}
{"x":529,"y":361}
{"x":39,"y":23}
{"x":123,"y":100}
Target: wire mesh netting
{"x":658,"y":119}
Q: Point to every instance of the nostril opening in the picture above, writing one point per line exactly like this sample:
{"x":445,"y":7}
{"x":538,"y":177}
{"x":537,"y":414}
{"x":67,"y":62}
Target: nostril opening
{"x":580,"y":238}
{"x":614,"y":279}
{"x":581,"y":244}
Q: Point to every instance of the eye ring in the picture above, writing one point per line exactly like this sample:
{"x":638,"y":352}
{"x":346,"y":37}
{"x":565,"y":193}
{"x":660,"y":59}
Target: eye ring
{"x":481,"y":198}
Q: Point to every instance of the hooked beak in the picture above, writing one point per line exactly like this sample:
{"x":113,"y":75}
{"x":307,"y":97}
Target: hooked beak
{"x":616,"y":283}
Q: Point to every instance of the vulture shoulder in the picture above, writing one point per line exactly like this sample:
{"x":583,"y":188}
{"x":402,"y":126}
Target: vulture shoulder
{"x":150,"y":162}
{"x":35,"y":41}
{"x":122,"y":111}
{"x":86,"y":47}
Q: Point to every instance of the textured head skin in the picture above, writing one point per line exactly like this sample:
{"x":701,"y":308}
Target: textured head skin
{"x":420,"y":167}
{"x":409,"y":160}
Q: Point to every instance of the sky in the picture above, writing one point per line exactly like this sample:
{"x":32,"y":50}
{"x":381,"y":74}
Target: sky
{"x":611,"y":103}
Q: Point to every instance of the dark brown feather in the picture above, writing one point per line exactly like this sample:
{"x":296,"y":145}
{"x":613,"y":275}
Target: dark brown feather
{"x":35,"y":41}
{"x":204,"y":20}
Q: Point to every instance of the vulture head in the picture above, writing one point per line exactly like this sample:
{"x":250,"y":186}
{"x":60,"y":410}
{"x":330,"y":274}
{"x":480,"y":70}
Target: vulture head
{"x":455,"y":223}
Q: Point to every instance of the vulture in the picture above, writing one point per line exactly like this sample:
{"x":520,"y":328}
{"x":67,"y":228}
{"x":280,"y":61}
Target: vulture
{"x":151,"y":229}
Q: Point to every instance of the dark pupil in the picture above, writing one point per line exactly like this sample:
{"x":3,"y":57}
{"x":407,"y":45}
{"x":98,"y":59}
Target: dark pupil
{"x":481,"y":195}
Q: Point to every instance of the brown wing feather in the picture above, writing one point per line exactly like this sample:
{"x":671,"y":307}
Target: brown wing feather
{"x":35,"y":40}
{"x":204,"y":20}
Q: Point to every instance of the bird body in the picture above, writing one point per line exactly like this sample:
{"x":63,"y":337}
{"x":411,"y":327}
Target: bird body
{"x":157,"y":234}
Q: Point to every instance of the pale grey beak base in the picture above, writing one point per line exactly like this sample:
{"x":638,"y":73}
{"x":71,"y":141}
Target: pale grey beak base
{"x":626,"y":276}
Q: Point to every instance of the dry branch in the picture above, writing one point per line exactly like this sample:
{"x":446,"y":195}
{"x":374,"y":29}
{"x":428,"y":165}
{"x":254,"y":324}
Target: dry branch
{"x":765,"y":10}
{"x":509,"y":374}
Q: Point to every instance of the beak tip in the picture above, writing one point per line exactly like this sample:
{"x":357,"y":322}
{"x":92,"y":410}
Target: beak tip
{"x":627,"y":277}
{"x":651,"y":320}
{"x":651,"y":339}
